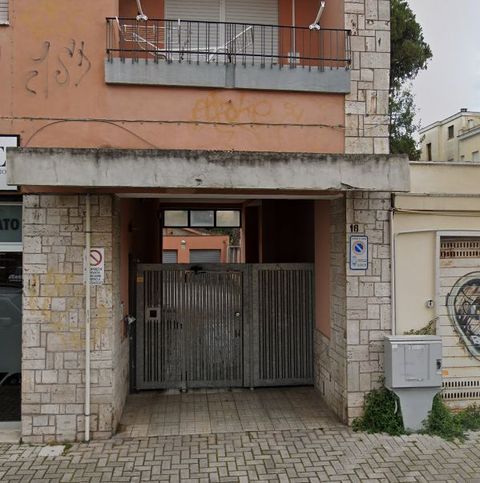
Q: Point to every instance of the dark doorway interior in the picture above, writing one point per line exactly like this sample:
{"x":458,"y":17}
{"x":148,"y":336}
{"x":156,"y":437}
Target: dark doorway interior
{"x":10,"y":335}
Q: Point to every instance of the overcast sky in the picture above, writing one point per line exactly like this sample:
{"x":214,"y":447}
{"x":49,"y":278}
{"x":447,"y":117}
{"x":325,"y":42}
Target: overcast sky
{"x":452,"y":80}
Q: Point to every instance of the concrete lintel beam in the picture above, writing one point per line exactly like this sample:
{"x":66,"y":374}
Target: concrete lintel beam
{"x":206,"y":169}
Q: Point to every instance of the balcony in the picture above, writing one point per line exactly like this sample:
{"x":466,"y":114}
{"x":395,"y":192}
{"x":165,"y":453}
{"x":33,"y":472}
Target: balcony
{"x":227,"y":55}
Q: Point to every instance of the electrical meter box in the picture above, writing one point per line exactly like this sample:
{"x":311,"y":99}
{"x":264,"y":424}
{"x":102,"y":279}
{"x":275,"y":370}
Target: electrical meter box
{"x":413,"y":361}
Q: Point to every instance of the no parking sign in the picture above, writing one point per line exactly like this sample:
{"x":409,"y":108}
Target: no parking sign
{"x":358,"y":252}
{"x":96,"y":266}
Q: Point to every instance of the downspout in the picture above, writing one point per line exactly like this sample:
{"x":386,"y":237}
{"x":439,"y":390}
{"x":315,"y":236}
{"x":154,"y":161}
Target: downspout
{"x":294,"y":34}
{"x":393,"y":309}
{"x":87,"y":316}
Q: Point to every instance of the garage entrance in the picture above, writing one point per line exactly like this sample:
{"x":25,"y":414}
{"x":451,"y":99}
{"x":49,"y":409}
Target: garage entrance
{"x":224,"y":325}
{"x":222,"y":292}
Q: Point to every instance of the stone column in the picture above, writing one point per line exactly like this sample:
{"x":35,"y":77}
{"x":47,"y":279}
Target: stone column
{"x":53,"y":366}
{"x":349,"y":363}
{"x":366,"y":107}
{"x":368,"y":297}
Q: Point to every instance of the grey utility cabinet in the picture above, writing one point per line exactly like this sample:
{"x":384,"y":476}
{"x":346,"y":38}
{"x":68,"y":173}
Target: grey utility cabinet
{"x":413,"y":361}
{"x":413,"y":371}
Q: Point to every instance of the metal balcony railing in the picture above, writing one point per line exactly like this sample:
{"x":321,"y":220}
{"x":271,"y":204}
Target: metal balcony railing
{"x":189,"y":41}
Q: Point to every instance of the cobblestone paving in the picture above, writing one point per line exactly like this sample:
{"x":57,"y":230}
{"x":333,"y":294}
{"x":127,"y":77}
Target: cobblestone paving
{"x":333,"y":454}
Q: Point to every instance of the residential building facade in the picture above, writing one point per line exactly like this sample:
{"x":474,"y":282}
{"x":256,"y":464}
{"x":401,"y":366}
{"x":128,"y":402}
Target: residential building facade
{"x":268,"y":116}
{"x":456,"y":138}
{"x":436,"y":240}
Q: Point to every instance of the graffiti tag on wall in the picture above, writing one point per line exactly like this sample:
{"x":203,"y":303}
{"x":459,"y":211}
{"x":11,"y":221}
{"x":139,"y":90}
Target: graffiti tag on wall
{"x":67,"y":65}
{"x":463,"y":304}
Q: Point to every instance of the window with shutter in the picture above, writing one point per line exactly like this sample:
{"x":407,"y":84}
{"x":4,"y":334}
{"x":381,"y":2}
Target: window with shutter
{"x":243,"y":11}
{"x":205,"y":256}
{"x":3,"y":11}
{"x":215,"y":36}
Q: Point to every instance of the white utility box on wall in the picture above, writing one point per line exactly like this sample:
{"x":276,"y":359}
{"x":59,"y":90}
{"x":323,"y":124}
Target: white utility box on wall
{"x":413,"y":371}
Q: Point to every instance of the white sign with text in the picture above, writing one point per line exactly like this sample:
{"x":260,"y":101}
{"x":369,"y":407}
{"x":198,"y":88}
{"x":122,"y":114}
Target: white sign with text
{"x":358,"y":252}
{"x":6,"y":141}
{"x":97,"y":266}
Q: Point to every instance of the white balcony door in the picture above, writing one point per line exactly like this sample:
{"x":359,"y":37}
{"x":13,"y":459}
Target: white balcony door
{"x":252,"y":11}
{"x":193,"y":10}
{"x":243,"y":11}
{"x":239,"y":11}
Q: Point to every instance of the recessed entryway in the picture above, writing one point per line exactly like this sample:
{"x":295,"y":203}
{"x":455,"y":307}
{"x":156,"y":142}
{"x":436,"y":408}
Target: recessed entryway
{"x":204,"y":411}
{"x":11,"y":282}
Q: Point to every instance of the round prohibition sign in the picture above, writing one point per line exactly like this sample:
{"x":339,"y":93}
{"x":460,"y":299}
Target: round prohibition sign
{"x":96,"y":258}
{"x":359,"y":248}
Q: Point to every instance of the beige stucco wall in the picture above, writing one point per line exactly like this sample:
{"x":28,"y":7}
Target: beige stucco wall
{"x":415,"y":260}
{"x":456,"y":179}
{"x":443,"y":198}
{"x":444,"y":203}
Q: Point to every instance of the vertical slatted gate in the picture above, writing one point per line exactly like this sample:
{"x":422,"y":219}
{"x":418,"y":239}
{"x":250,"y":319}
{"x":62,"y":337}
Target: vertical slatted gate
{"x":214,"y":335}
{"x":191,"y":335}
{"x":283,"y":329}
{"x":225,"y":325}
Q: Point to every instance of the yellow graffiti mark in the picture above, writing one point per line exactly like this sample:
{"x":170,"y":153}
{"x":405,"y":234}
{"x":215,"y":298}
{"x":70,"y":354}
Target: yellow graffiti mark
{"x":215,"y":108}
{"x":294,"y":113}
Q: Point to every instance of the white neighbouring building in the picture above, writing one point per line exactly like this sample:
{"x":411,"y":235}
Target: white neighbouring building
{"x":455,"y":138}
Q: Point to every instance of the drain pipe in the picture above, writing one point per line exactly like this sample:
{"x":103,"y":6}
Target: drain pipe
{"x":87,"y":316}
{"x":294,"y":40}
{"x":393,"y":306}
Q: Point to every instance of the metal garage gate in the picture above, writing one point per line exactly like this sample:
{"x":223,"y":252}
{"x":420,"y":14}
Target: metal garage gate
{"x":224,"y":325}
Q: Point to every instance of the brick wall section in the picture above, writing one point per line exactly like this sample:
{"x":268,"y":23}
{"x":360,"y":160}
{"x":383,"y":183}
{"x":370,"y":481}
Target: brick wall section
{"x":366,"y":107}
{"x":330,"y":353}
{"x":53,"y":384}
{"x":368,"y":297}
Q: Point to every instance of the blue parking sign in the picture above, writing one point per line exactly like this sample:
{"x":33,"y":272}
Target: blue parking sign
{"x":358,"y":252}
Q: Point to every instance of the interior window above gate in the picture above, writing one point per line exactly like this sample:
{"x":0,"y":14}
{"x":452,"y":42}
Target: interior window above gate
{"x":201,"y":218}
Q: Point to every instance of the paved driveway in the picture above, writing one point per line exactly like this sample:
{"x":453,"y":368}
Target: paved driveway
{"x":334,"y":454}
{"x":157,"y":413}
{"x":265,"y":435}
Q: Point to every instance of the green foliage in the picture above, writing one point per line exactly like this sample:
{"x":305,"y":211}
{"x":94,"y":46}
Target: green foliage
{"x":442,"y":422}
{"x":429,"y":329}
{"x":469,"y":418}
{"x":402,"y":124}
{"x":409,"y":54}
{"x":233,"y":233}
{"x":381,"y":414}
{"x":68,"y":447}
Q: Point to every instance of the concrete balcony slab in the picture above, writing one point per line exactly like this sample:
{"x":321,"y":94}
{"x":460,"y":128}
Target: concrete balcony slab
{"x":217,"y":170}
